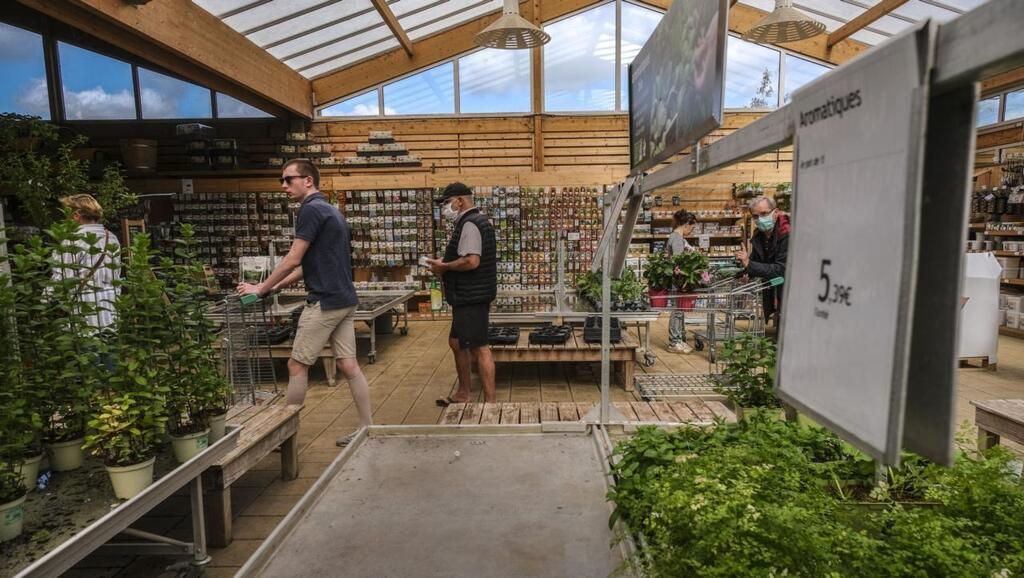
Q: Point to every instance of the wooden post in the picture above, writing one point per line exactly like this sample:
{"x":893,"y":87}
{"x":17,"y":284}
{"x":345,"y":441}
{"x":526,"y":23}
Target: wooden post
{"x":217,"y":507}
{"x":290,"y":458}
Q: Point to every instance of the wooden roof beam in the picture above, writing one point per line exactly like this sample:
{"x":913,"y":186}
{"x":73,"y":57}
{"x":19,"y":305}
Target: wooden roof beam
{"x":396,"y":28}
{"x":867,"y":17}
{"x":184,"y":39}
{"x":433,"y":49}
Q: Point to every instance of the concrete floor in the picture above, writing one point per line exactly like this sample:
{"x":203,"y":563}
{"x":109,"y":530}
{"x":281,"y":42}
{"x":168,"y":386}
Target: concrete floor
{"x":480,"y":506}
{"x":410,"y":373}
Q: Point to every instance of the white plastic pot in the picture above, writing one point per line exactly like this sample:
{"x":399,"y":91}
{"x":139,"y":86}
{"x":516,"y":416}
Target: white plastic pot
{"x":11,"y":515}
{"x":30,"y":471}
{"x":66,"y":456}
{"x":187,"y":446}
{"x":217,"y":423}
{"x":128,"y":481}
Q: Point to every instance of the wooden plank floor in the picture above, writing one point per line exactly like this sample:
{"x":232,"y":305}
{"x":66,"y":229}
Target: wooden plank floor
{"x":413,"y":371}
{"x":697,"y":411}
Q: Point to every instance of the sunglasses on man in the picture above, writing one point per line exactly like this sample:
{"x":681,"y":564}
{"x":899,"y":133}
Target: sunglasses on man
{"x":288,"y":178}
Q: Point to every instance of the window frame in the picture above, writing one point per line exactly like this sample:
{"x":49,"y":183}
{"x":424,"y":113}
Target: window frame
{"x":55,"y":106}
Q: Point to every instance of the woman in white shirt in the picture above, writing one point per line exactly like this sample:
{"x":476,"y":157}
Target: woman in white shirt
{"x":99,"y":272}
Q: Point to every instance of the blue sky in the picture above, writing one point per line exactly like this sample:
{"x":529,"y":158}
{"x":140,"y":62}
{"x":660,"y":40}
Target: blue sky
{"x":22,"y":72}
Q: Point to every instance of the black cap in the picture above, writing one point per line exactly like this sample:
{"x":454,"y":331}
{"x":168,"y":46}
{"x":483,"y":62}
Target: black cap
{"x":454,"y":190}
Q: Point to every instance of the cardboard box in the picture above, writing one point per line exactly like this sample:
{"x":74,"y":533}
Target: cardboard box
{"x":1013,"y":319}
{"x":1014,"y":303}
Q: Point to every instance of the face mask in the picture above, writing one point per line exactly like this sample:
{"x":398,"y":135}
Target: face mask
{"x":448,"y":211}
{"x":766,"y":223}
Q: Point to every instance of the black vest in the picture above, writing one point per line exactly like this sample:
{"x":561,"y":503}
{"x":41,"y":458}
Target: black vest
{"x":479,"y":285}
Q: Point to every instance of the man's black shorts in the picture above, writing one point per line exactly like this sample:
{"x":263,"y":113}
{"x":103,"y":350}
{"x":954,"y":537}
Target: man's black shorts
{"x":469,"y":325}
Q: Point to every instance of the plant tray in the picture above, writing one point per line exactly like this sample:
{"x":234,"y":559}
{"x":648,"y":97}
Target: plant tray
{"x":550,"y":335}
{"x":592,"y":330}
{"x":503,"y":335}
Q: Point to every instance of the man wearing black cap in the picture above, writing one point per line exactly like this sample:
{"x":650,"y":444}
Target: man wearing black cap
{"x":470,"y":273}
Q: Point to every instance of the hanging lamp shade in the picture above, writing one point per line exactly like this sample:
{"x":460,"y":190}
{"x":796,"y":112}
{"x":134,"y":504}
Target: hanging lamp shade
{"x":784,"y":24}
{"x":511,"y":31}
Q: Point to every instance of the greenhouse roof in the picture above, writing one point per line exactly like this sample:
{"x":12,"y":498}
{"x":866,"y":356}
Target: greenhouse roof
{"x":317,"y":37}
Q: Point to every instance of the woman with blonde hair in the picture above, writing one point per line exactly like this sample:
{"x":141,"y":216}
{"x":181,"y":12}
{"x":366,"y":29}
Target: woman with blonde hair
{"x":100,"y":271}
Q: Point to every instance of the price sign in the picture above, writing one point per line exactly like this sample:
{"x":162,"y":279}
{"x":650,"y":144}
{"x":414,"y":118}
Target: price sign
{"x":187,"y":187}
{"x":704,"y":241}
{"x":851,"y":270}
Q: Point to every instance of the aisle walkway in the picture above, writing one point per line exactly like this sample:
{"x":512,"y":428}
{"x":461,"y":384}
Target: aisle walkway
{"x":413,"y":371}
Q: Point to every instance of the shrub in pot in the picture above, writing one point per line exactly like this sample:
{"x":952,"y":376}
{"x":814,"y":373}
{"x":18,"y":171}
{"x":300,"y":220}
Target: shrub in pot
{"x":658,"y":272}
{"x":749,"y":375}
{"x":59,"y":347}
{"x":130,"y":415}
{"x":20,"y":425}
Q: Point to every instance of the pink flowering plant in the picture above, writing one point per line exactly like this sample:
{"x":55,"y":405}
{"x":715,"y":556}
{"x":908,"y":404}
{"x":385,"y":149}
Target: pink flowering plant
{"x":690,"y":270}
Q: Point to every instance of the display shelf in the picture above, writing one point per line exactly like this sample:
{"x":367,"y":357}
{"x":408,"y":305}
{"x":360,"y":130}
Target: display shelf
{"x":1004,"y":330}
{"x":1011,"y":233}
{"x":1013,"y":282}
{"x":390,"y":227}
{"x":1004,"y":253}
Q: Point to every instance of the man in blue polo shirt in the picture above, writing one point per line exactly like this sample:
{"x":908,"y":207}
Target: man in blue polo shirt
{"x":322,"y":256}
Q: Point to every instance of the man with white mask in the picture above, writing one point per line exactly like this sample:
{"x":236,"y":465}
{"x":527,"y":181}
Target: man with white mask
{"x":470,"y":274}
{"x":768,"y":250}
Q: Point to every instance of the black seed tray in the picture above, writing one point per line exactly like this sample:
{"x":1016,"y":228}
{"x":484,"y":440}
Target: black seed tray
{"x":503,"y":335}
{"x":592,"y":330}
{"x":550,"y":335}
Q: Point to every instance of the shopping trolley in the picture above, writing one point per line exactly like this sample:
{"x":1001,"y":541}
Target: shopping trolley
{"x":245,"y":339}
{"x":724,"y":310}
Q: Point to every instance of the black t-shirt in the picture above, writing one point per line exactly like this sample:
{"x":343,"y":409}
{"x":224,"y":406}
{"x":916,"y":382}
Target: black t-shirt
{"x":327,"y":264}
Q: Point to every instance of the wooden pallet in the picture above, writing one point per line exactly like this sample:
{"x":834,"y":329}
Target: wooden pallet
{"x":982,"y":363}
{"x":540,"y":412}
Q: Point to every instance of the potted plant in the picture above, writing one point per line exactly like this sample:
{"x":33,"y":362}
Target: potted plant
{"x":130,"y":415}
{"x":12,"y":496}
{"x":15,"y":433}
{"x":689,"y":271}
{"x":658,"y":272}
{"x":749,"y":374}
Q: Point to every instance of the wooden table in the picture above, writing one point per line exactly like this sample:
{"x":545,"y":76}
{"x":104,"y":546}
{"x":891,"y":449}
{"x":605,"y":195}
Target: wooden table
{"x":996,"y":418}
{"x":575,"y":350}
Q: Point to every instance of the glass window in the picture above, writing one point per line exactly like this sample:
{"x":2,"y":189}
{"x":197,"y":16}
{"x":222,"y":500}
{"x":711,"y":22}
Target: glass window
{"x":429,"y":92}
{"x":637,"y":26}
{"x":988,"y":111}
{"x":365,"y":104}
{"x":752,"y":75}
{"x":798,"y":73}
{"x":23,"y":86}
{"x":493,"y":80}
{"x":1014,"y":105}
{"x":579,"y":62}
{"x":230,"y":107}
{"x":167,"y":97}
{"x":95,"y":86}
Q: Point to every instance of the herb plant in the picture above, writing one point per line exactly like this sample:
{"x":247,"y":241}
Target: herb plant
{"x":749,"y":374}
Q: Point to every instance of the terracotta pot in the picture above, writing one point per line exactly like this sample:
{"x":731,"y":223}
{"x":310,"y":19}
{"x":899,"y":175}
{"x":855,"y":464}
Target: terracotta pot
{"x":128,"y":481}
{"x":659,"y":298}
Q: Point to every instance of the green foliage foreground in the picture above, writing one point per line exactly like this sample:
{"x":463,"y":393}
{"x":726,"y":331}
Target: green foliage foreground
{"x":770,"y":498}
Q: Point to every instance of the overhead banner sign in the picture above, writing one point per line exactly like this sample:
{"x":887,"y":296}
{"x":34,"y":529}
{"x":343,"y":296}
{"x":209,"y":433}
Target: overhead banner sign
{"x":847,"y":314}
{"x":676,"y":80}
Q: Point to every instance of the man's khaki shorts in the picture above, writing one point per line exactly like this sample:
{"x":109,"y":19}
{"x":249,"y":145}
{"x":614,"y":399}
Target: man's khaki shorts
{"x":317,"y":328}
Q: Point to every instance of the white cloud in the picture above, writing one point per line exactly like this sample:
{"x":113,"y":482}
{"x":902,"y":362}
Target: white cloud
{"x":230,"y":107}
{"x":33,"y":99}
{"x":97,"y":103}
{"x":365,"y":110}
{"x":154,"y":105}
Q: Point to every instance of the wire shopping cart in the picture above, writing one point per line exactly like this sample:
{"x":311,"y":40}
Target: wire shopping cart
{"x":246,"y":337}
{"x":722,"y":311}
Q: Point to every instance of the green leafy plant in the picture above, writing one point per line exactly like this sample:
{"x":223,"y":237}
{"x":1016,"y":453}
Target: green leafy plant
{"x":749,"y":374}
{"x":658,"y":271}
{"x":627,"y":287}
{"x":59,"y":347}
{"x":197,"y":388}
{"x":753,"y":499}
{"x":690,"y":270}
{"x":130,"y":412}
{"x":38,"y":166}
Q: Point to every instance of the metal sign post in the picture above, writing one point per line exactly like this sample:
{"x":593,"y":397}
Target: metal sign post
{"x":851,"y":273}
{"x":918,"y":385}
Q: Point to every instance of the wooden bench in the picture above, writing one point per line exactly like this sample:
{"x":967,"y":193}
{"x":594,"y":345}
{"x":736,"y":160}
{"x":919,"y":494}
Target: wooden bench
{"x":997,"y":418}
{"x":575,"y":349}
{"x":265,"y":427}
